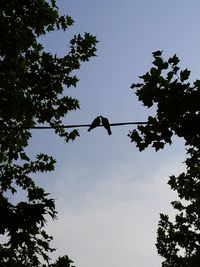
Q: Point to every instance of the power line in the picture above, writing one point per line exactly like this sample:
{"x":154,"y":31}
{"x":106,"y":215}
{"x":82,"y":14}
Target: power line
{"x":74,"y":126}
{"x":85,"y":125}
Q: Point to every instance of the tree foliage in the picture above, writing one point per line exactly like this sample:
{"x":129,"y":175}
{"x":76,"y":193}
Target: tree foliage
{"x":32,"y":84}
{"x":177,"y":102}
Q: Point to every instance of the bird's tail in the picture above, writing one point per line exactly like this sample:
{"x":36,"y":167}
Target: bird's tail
{"x":109,"y":131}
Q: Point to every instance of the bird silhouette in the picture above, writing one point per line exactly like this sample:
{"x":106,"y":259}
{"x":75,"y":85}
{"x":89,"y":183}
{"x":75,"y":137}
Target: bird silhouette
{"x":96,"y":122}
{"x":106,"y":124}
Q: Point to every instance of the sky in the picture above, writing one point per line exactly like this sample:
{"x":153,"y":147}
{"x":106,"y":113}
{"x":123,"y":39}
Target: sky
{"x":108,"y":194}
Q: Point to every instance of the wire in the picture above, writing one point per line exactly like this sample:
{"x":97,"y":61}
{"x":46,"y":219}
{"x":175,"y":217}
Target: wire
{"x":75,"y":126}
{"x":85,"y":125}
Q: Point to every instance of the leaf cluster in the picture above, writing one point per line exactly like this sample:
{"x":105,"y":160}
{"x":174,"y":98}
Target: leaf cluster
{"x":32,"y":91}
{"x":167,"y":88}
{"x":179,"y":241}
{"x":177,"y":102}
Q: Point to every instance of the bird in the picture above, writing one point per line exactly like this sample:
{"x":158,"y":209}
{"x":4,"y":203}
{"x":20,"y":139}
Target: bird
{"x":106,"y":124}
{"x":96,"y":122}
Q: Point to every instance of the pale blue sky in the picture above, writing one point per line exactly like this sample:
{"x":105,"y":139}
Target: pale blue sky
{"x":109,"y":195}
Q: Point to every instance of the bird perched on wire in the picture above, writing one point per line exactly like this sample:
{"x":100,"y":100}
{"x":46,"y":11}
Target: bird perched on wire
{"x":96,"y":122}
{"x":106,"y":124}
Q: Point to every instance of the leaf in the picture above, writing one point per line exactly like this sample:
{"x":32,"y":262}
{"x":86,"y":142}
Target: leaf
{"x":175,"y":69}
{"x":157,"y":53}
{"x":173,"y":60}
{"x":146,"y":77}
{"x":136,"y":85}
{"x":177,"y":205}
{"x":184,"y":75}
{"x":155,"y":72}
{"x":158,"y":62}
{"x":170,"y":75}
{"x":197,"y":83}
{"x":158,"y":145}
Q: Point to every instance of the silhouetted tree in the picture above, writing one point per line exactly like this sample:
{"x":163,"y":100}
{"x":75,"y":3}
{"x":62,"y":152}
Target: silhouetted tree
{"x":167,"y":88}
{"x":32,"y":83}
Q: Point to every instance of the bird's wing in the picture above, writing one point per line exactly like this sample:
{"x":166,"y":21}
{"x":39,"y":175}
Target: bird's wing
{"x":106,"y":124}
{"x":95,"y":123}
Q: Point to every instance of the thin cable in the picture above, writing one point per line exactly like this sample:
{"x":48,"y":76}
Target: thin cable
{"x":85,"y":125}
{"x":74,"y":126}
